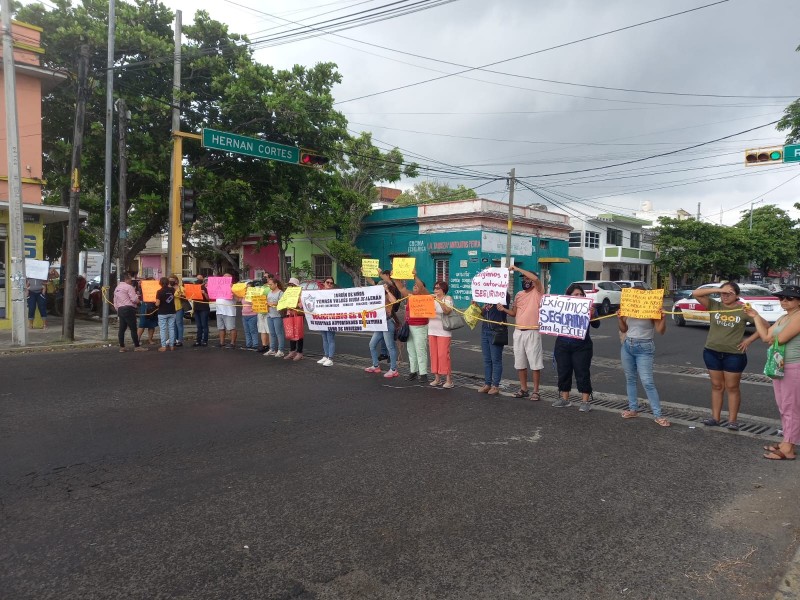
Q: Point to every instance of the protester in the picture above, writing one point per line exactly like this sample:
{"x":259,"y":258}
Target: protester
{"x":275,"y":319}
{"x":492,"y":353}
{"x":439,"y":338}
{"x":724,"y":352}
{"x":787,"y":388}
{"x":125,"y":302}
{"x":148,"y":319}
{"x":328,"y":337}
{"x":250,"y":323}
{"x":637,"y":353}
{"x":201,"y":310}
{"x":527,"y":341}
{"x":574,"y":356}
{"x":226,"y":320}
{"x":165,"y":302}
{"x":180,"y":307}
{"x":386,"y":338}
{"x":263,"y":325}
{"x":35,"y":289}
{"x":296,"y":344}
{"x":418,"y":332}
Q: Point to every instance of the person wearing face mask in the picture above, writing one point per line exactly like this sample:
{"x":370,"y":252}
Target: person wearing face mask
{"x":201,"y":312}
{"x":527,"y":342}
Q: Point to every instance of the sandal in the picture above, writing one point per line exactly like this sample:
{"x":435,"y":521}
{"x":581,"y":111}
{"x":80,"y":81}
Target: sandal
{"x":535,"y":397}
{"x":775,"y":448}
{"x":732,"y":425}
{"x":778,"y":455}
{"x":520,"y":394}
{"x":629,"y":414}
{"x":663,"y":422}
{"x":710,"y":422}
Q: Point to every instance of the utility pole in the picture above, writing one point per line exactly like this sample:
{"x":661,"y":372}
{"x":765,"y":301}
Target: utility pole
{"x":106,"y":279}
{"x":511,"y":184}
{"x":71,"y":250}
{"x":751,"y":215}
{"x":19,"y":335}
{"x":698,"y":211}
{"x":122,"y":258}
{"x":175,"y":241}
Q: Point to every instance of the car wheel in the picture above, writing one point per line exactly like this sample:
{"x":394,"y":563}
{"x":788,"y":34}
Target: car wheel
{"x":678,"y":318}
{"x":605,"y":308}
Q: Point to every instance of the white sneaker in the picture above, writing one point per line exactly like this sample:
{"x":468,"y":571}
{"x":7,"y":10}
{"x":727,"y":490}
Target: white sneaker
{"x":322,"y":360}
{"x":269,"y":353}
{"x":279,"y":354}
{"x":328,"y":363}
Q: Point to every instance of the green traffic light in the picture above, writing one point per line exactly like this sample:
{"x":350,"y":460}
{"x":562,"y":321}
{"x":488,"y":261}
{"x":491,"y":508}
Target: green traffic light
{"x":775,"y":155}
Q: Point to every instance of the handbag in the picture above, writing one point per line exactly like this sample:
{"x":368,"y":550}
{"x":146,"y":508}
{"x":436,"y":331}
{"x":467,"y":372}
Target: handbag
{"x":453,"y":320}
{"x":776,"y":355}
{"x":500,"y":337}
{"x":293,"y":327}
{"x":403,"y":332}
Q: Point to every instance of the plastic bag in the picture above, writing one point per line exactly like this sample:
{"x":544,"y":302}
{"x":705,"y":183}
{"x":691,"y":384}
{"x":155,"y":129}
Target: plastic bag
{"x":471,"y":315}
{"x":776,"y":354}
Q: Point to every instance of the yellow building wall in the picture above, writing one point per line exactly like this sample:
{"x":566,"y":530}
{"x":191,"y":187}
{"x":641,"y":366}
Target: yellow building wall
{"x":34,"y":248}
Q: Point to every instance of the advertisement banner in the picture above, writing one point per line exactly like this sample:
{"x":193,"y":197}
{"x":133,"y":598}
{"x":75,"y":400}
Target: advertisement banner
{"x":348,"y":309}
{"x":564,"y":315}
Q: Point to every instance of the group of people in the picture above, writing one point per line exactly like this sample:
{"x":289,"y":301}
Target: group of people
{"x":428,"y":342}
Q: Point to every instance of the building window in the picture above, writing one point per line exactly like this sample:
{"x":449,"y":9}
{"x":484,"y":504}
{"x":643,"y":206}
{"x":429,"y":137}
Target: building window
{"x":592,"y":275}
{"x":442,"y":269}
{"x":616,"y":274}
{"x":575,"y":239}
{"x":614,"y":237}
{"x":544,"y":244}
{"x":636,"y":240}
{"x":322,"y":266}
{"x":186,"y":266}
{"x":592,"y":239}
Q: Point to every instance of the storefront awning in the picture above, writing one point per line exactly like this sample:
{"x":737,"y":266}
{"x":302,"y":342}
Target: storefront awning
{"x":553,"y":259}
{"x":48,"y":213}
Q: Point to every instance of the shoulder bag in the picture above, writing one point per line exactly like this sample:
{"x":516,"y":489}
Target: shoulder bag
{"x":403,"y":332}
{"x":452,"y":320}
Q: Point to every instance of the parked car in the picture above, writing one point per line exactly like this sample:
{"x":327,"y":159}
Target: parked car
{"x":689,"y":310}
{"x":682,"y":292}
{"x":211,"y":305}
{"x":606,"y":295}
{"x":632,"y":283}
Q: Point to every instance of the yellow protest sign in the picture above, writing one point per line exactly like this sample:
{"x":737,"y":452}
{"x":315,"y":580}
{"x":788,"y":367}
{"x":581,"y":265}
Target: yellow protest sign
{"x":260,"y":304}
{"x":370,"y":267}
{"x":149,"y":289}
{"x":239,"y":289}
{"x":641,"y":304}
{"x":253,"y":291}
{"x":289,"y":298}
{"x":421,"y":307}
{"x":403,"y":268}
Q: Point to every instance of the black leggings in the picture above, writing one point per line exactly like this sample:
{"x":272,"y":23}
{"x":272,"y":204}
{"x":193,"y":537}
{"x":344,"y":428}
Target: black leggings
{"x":296,"y":345}
{"x":573,"y":356}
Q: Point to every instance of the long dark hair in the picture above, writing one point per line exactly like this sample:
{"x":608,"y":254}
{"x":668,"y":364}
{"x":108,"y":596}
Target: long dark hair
{"x":572,"y":287}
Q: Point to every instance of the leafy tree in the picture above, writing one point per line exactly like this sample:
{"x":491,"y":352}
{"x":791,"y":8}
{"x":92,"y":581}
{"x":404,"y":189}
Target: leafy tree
{"x":429,"y":192}
{"x":772,"y":240}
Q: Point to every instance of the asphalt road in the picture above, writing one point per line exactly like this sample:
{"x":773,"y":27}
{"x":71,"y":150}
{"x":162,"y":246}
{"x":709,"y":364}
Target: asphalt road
{"x":209,"y":473}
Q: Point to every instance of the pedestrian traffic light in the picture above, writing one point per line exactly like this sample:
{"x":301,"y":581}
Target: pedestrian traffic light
{"x":309,"y":158}
{"x":188,"y":211}
{"x":763,"y":156}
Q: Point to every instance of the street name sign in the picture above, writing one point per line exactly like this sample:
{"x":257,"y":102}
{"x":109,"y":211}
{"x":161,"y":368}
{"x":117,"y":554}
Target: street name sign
{"x":239,"y":144}
{"x":791,"y":153}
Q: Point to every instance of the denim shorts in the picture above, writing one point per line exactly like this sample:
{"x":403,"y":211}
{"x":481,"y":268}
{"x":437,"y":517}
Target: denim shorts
{"x":724,"y":361}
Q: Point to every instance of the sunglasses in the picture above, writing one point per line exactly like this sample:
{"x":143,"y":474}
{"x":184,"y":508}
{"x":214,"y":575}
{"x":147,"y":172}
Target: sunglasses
{"x":328,"y":283}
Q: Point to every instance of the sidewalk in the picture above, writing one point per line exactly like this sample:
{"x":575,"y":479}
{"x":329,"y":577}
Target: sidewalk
{"x":88,"y":334}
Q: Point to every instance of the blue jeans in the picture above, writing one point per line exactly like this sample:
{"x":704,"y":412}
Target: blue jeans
{"x":386,"y":338}
{"x":179,"y":326}
{"x":201,"y":320}
{"x":492,"y":358}
{"x":328,"y":343}
{"x":251,"y":331}
{"x":637,"y":357}
{"x":277,"y":339}
{"x":166,"y":327}
{"x":37,"y":300}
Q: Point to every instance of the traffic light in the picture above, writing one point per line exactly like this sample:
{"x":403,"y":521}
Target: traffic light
{"x":763,"y":156}
{"x":309,"y":158}
{"x":188,"y":210}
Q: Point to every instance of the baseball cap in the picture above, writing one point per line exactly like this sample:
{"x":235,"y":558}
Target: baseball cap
{"x":294,"y":281}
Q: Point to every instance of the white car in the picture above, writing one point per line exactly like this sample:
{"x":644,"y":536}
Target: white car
{"x":760,"y":298}
{"x":632,"y":283}
{"x":606,"y":295}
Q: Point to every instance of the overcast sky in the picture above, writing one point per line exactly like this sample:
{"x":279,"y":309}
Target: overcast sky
{"x":489,"y":122}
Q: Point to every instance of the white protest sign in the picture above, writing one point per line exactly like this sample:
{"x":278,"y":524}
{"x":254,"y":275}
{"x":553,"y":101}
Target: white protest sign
{"x":348,"y":309}
{"x":490,"y":285}
{"x":36,"y":269}
{"x":567,"y":316}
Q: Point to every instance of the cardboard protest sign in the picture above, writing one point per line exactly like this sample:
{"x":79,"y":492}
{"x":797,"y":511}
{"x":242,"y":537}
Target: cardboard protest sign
{"x":260,"y":304}
{"x":641,"y":304}
{"x":490,"y":286}
{"x":253,"y":291}
{"x":289,"y":298}
{"x":219,"y":288}
{"x":348,"y":309}
{"x":193,"y":291}
{"x":370,"y":267}
{"x":567,"y":316}
{"x":422,"y":307}
{"x":149,"y":289}
{"x":403,"y":268}
{"x":36,"y":269}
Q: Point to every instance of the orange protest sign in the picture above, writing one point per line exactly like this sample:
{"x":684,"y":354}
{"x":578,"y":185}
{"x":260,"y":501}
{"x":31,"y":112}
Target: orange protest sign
{"x":422,"y":307}
{"x":193,"y":291}
{"x":260,"y":304}
{"x":149,"y":289}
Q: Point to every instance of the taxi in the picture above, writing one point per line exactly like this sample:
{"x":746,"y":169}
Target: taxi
{"x":690,"y":311}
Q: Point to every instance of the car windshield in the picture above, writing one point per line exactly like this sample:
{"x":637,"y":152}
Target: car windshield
{"x":624,"y":284}
{"x":755,"y":291}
